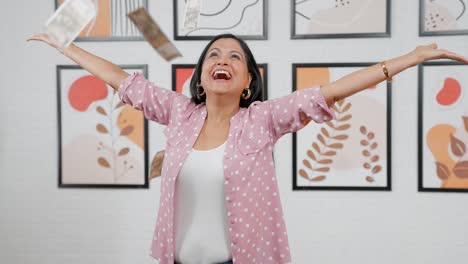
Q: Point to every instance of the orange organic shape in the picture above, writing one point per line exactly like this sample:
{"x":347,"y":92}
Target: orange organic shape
{"x":438,"y":140}
{"x":85,"y":91}
{"x":308,"y":77}
{"x":131,"y":125}
{"x":449,"y":93}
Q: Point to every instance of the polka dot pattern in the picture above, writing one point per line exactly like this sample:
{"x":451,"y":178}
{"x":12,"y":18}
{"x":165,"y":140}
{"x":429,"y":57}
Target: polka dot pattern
{"x":257,"y":230}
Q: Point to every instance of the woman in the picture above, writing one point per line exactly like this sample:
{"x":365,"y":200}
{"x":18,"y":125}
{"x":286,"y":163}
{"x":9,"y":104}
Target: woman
{"x":219,"y":148}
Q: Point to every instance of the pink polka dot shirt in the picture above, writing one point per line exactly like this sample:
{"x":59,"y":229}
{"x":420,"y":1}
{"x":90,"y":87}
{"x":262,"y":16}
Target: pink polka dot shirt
{"x":255,"y":220}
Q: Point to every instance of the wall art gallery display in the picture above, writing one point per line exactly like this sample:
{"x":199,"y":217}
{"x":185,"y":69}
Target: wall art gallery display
{"x":352,"y":151}
{"x":448,"y":17}
{"x":244,"y":18}
{"x":102,"y":141}
{"x":112,"y":23}
{"x":340,"y":18}
{"x":443,"y":127}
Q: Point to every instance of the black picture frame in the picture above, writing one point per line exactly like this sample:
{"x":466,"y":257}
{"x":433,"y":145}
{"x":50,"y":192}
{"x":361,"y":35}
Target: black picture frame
{"x":263,"y":36}
{"x":424,"y":33}
{"x":388,"y":187}
{"x":128,"y":24}
{"x":295,"y":14}
{"x":61,"y":184}
{"x":422,"y":136}
{"x":264,"y":66}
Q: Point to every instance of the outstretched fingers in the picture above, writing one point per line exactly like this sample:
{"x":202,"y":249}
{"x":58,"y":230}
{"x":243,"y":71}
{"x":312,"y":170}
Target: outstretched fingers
{"x":446,"y":54}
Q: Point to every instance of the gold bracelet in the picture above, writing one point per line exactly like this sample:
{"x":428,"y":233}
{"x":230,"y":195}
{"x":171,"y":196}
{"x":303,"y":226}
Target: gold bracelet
{"x":385,"y":71}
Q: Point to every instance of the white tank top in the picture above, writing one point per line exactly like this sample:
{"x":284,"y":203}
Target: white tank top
{"x":200,"y":214}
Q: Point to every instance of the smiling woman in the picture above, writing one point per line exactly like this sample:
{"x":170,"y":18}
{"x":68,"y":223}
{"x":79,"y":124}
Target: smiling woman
{"x":219,"y":195}
{"x":227,"y":53}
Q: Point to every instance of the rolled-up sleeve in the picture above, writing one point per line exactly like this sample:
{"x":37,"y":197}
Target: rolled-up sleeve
{"x":292,"y":112}
{"x":155,"y":102}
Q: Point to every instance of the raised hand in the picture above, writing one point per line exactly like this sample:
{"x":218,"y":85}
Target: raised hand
{"x":431,"y":52}
{"x":44,"y":38}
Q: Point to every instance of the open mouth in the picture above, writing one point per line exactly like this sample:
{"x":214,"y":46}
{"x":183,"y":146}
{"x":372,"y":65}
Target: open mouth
{"x":221,"y":75}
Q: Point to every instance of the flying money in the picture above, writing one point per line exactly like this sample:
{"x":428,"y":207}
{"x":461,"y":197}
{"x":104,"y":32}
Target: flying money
{"x":153,"y":34}
{"x":69,"y":20}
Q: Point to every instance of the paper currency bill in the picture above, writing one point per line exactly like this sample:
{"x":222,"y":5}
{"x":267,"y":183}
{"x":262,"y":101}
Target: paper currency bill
{"x":192,"y":13}
{"x":153,"y":34}
{"x":69,"y":20}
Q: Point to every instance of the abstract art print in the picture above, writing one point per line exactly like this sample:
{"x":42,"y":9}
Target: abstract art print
{"x":102,"y":141}
{"x":351,"y":152}
{"x":443,"y":17}
{"x":112,"y":23}
{"x":182,"y":74}
{"x":244,"y":18}
{"x":443,"y":127}
{"x":340,"y":18}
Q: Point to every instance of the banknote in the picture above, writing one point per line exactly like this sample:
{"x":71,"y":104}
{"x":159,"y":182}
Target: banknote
{"x":192,"y":13}
{"x":69,"y":20}
{"x":153,"y":34}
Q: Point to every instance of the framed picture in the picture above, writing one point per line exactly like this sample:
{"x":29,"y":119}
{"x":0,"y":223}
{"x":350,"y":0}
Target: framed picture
{"x":112,"y":23}
{"x":442,"y":18}
{"x":246,"y":19}
{"x":103,"y":142}
{"x":340,"y":19}
{"x":351,"y":152}
{"x":443,"y":127}
{"x":182,"y":74}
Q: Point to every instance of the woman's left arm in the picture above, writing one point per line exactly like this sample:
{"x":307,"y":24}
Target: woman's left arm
{"x":365,"y":78}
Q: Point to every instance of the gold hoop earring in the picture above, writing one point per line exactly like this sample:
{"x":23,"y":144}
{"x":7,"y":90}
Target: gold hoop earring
{"x":200,"y":94}
{"x":249,"y":93}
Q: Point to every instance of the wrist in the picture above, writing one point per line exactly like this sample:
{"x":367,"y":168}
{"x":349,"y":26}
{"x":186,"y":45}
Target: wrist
{"x":413,"y":58}
{"x":66,"y":50}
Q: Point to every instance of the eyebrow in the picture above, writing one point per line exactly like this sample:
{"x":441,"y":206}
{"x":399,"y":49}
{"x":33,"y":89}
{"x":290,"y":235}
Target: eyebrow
{"x":232,"y":51}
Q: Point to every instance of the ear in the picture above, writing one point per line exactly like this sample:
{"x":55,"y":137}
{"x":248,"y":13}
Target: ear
{"x":250,"y":78}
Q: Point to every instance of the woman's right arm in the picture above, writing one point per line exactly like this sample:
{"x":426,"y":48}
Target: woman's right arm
{"x":135,"y":90}
{"x":99,"y":67}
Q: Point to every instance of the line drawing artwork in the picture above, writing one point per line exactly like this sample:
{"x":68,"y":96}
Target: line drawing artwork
{"x":340,"y":17}
{"x":448,"y":15}
{"x":121,"y":24}
{"x":240,"y":17}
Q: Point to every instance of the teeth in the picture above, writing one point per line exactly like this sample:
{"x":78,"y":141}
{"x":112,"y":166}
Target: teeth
{"x":221,"y":72}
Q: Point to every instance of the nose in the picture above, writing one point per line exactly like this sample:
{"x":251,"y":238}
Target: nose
{"x":222,"y":61}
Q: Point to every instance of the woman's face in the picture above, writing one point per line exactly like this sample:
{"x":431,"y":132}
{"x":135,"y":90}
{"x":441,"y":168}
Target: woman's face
{"x":224,"y":70}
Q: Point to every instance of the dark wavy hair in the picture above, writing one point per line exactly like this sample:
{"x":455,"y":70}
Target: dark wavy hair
{"x":256,"y":85}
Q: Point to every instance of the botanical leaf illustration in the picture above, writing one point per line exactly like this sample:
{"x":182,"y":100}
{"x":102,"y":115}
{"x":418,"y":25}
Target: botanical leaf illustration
{"x":458,"y":147}
{"x":103,"y":162}
{"x":101,"y":128}
{"x":120,"y":104}
{"x":124,"y":151}
{"x":369,"y":179}
{"x":116,"y":153}
{"x":465,"y":122}
{"x":325,"y":132}
{"x":311,"y":155}
{"x":126,"y":130}
{"x":318,"y":178}
{"x":101,"y":110}
{"x":442,"y":171}
{"x":369,"y":147}
{"x":461,"y":169}
{"x":322,"y":151}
